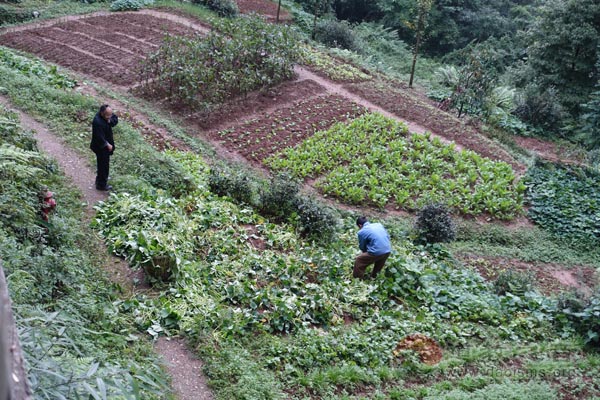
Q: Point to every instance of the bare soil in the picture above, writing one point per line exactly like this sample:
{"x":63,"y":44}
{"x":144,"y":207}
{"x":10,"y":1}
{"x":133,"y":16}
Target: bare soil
{"x":238,"y":110}
{"x":548,"y":278}
{"x":111,"y":47}
{"x":264,"y":7}
{"x":547,"y":150}
{"x":261,"y":137}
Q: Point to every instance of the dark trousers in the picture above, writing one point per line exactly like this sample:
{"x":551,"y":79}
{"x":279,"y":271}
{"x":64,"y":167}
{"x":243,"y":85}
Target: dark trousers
{"x":102,"y":168}
{"x":363,"y":260}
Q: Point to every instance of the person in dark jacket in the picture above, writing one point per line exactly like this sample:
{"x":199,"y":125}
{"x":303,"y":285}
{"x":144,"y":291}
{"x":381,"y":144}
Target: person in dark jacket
{"x":103,"y":144}
{"x":374,"y":243}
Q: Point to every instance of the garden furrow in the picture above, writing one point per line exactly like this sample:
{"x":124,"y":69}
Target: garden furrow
{"x":183,"y":367}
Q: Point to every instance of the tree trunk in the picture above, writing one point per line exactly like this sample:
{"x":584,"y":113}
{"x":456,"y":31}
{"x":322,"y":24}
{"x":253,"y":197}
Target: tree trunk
{"x":314,"y":30}
{"x":278,"y":10}
{"x":414,"y":61}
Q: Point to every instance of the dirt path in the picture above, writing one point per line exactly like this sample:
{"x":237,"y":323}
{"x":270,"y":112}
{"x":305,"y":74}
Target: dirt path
{"x":183,"y":367}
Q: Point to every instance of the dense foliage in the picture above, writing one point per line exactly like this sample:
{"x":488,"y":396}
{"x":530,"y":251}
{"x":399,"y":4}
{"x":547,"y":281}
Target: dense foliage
{"x":566,"y":201}
{"x":76,"y":343}
{"x":27,"y":66}
{"x":129,"y":5}
{"x":434,"y":224}
{"x":225,"y":8}
{"x":376,"y":159}
{"x":236,"y":57}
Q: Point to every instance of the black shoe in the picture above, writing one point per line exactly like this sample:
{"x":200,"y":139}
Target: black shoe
{"x":104,"y":188}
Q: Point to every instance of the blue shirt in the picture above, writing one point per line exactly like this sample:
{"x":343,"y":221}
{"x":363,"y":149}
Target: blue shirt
{"x":374,"y":239}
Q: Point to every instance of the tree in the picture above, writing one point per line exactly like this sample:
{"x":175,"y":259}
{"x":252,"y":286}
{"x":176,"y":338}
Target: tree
{"x":423,"y":10}
{"x":278,"y":10}
{"x":562,"y":51}
{"x":590,"y":119}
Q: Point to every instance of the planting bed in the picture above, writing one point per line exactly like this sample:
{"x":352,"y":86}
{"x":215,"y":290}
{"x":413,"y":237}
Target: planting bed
{"x":439,"y":122}
{"x":107,"y":47}
{"x":263,"y":7}
{"x":238,"y":110}
{"x":267,"y":134}
{"x":375,"y":159}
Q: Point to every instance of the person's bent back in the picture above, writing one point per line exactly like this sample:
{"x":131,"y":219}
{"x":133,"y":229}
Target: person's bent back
{"x":374,"y":242}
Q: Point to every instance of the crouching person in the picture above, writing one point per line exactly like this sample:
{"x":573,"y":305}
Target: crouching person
{"x":374,"y":243}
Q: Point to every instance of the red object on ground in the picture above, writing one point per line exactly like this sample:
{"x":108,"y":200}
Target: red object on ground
{"x":48,"y":204}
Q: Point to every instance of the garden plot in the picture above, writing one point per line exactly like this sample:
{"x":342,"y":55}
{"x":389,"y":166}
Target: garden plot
{"x":263,"y":7}
{"x":439,"y":122}
{"x":375,"y":159}
{"x":110,"y":48}
{"x":261,"y":137}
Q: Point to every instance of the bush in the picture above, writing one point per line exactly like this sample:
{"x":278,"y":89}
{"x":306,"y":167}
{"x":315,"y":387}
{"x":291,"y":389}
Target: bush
{"x":434,"y":224}
{"x":540,"y":108}
{"x":235,"y":184}
{"x":279,"y":198}
{"x":334,"y":33}
{"x":126,"y":5}
{"x":509,"y":281}
{"x":225,"y":8}
{"x":316,"y":220}
{"x":235,"y":58}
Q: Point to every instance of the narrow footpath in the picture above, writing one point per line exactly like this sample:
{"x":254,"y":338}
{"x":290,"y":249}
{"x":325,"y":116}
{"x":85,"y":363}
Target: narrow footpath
{"x":185,"y":369}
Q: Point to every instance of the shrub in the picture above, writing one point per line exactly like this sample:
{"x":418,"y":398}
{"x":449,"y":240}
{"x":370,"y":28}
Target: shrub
{"x":234,"y":184}
{"x":225,"y":8}
{"x":540,"y":108}
{"x":316,"y":220}
{"x":434,"y":224}
{"x":334,"y":33}
{"x":279,"y":198}
{"x":125,"y":5}
{"x":509,"y":281}
{"x":234,"y":59}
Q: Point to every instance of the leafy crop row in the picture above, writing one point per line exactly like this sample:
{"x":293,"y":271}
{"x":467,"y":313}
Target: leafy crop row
{"x":241,"y":282}
{"x":566,"y":201}
{"x":375,"y":159}
{"x":335,"y":70}
{"x":236,"y":57}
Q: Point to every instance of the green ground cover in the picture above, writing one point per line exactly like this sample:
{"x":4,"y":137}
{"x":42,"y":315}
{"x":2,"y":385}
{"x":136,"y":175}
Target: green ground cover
{"x":276,"y":316}
{"x":565,"y":201}
{"x":375,"y":159}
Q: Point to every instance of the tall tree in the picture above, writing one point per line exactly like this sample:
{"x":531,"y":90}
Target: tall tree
{"x":562,"y":50}
{"x":423,"y":10}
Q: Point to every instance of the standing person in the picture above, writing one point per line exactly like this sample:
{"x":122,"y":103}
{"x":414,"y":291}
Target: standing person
{"x":374,"y":242}
{"x":103,"y":144}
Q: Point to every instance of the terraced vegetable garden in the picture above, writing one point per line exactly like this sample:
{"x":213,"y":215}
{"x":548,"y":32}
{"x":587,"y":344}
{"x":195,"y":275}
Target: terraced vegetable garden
{"x":110,"y":48}
{"x":274,"y":312}
{"x":375,"y":159}
{"x":566,"y":201}
{"x":404,"y":105}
